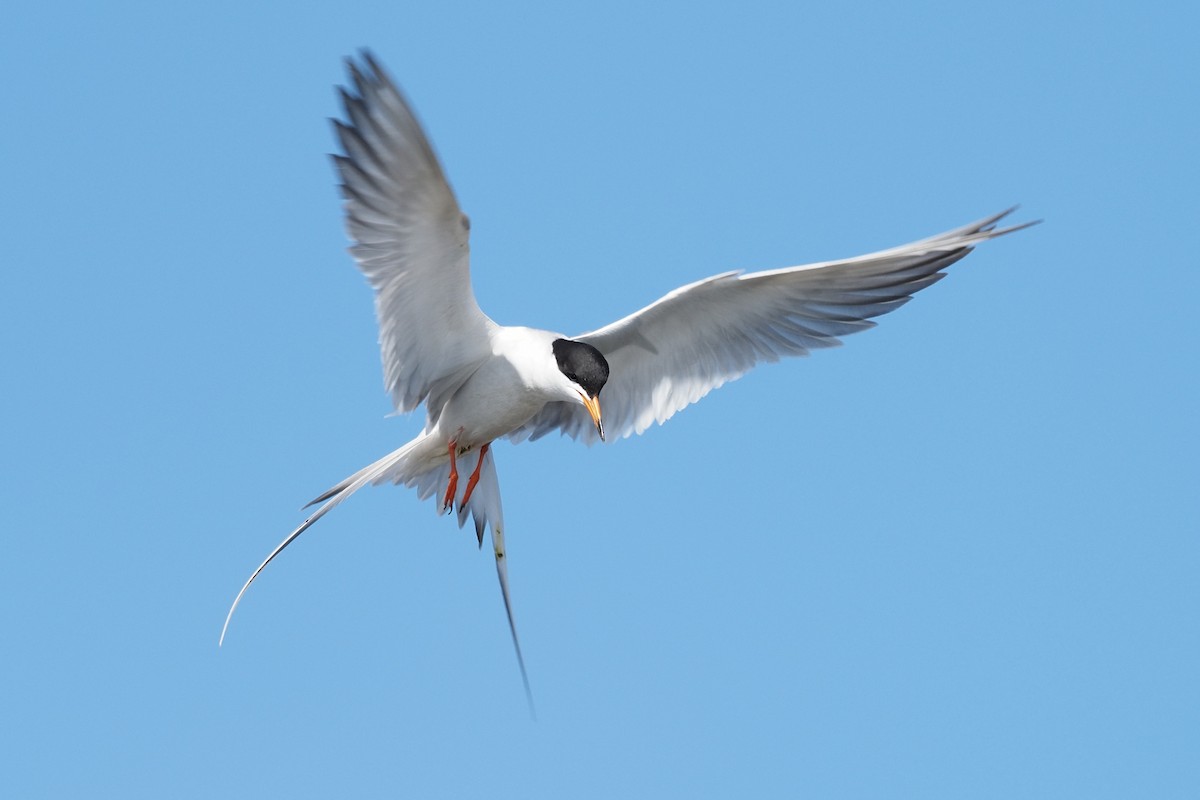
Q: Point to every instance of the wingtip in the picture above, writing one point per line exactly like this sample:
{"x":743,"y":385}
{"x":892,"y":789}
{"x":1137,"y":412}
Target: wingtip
{"x":366,"y":69}
{"x":360,"y":81}
{"x":368,"y":57}
{"x":990,"y":223}
{"x":1015,"y":228}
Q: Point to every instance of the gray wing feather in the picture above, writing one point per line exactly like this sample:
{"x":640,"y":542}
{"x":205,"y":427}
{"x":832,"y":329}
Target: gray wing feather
{"x":410,"y":240}
{"x":676,"y":350}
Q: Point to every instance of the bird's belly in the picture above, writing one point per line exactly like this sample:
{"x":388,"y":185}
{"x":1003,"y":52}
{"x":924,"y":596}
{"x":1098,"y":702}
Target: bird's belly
{"x":492,"y":403}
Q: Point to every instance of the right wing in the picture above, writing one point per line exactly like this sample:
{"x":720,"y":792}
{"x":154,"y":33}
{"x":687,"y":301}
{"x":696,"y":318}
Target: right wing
{"x":676,"y":350}
{"x":410,"y":240}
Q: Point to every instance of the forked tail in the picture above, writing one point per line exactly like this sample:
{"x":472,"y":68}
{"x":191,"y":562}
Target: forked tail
{"x":391,"y":463}
{"x":419,"y":464}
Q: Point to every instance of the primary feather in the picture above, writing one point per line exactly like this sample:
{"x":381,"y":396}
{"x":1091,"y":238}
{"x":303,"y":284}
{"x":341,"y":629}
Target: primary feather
{"x":411,"y":241}
{"x":679,"y":348}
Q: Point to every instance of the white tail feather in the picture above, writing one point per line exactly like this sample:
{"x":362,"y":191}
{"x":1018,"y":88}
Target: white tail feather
{"x":392,"y":463}
{"x":422,"y":464}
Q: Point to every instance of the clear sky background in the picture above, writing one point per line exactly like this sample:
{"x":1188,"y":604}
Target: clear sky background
{"x":956,"y":558}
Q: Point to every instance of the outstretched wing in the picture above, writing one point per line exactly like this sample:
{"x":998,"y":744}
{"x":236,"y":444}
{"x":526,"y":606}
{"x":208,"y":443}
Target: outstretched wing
{"x":678,"y":349}
{"x":411,"y":241}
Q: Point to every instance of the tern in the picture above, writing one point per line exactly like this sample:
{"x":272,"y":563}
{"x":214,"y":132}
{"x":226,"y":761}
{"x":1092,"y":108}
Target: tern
{"x":480,"y":381}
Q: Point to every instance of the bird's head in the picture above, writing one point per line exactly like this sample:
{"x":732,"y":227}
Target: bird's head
{"x":586,"y":372}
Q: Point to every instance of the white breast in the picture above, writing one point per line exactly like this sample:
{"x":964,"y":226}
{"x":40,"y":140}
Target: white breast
{"x":506,"y":391}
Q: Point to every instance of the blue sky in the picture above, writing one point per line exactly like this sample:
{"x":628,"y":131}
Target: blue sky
{"x":955,"y":558}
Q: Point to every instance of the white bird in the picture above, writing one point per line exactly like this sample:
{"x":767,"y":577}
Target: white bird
{"x":480,"y":381}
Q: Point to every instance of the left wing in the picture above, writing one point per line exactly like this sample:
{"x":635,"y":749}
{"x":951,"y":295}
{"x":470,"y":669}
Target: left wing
{"x":676,"y":350}
{"x":410,"y":240}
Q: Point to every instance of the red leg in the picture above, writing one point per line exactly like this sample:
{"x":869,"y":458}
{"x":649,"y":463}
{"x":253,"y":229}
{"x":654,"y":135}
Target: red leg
{"x":448,"y":503}
{"x":475,"y":475}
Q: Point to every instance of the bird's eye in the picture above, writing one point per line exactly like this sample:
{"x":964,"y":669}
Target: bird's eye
{"x":571,"y":376}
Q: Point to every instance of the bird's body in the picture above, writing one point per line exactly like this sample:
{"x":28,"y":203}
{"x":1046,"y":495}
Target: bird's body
{"x":480,"y":381}
{"x":506,"y":391}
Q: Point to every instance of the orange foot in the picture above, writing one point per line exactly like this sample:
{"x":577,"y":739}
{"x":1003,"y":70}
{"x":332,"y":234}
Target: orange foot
{"x":475,"y":475}
{"x":448,"y":503}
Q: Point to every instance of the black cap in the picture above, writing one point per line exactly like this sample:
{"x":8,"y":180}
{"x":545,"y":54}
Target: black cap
{"x":581,"y":363}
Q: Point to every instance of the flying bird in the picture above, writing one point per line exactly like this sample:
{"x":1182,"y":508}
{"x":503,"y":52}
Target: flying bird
{"x":480,"y":381}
